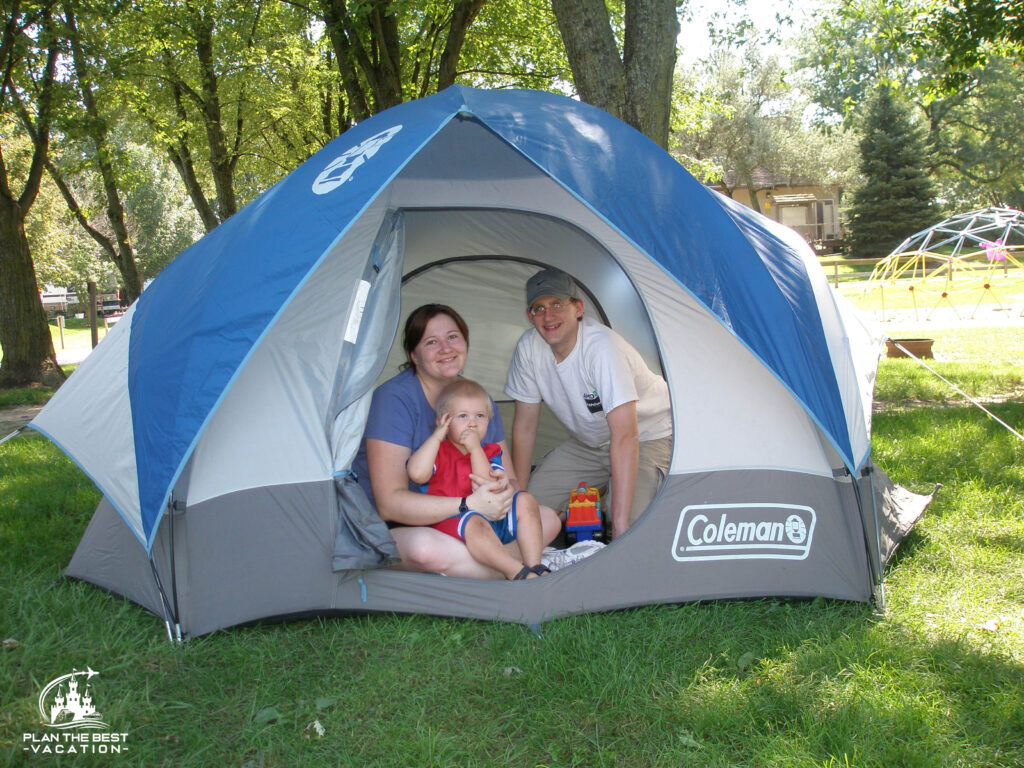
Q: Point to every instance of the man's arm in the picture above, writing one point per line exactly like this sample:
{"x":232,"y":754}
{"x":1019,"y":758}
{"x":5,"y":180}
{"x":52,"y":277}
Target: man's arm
{"x":624,"y":452}
{"x":524,"y":436}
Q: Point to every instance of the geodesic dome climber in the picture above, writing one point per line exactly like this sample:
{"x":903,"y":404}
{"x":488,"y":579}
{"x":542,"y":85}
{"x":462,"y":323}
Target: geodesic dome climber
{"x":964,"y":255}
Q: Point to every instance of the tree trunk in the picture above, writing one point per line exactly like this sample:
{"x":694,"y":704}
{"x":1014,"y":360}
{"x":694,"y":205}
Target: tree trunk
{"x":181,"y":155}
{"x":24,"y":333}
{"x":222,"y":161}
{"x":637,"y":86}
{"x":378,"y":63}
{"x":747,"y":177}
{"x":388,"y":59}
{"x":462,"y":17}
{"x":593,"y":55}
{"x":649,"y":59}
{"x":335,"y":17}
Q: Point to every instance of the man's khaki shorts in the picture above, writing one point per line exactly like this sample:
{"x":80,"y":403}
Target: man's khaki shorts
{"x":571,"y":463}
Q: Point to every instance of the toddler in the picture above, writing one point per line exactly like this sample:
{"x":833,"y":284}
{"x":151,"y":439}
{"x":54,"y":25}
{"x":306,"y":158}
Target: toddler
{"x":442,"y":466}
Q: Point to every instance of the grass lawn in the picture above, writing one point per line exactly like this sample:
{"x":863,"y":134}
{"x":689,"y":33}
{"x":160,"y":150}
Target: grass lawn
{"x":76,"y":337}
{"x":967,"y":292}
{"x":938,"y":680}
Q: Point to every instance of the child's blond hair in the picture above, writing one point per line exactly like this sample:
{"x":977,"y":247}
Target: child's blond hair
{"x":461,"y":388}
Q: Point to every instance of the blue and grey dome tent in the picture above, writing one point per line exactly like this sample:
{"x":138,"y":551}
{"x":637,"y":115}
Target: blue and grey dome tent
{"x":221,"y":414}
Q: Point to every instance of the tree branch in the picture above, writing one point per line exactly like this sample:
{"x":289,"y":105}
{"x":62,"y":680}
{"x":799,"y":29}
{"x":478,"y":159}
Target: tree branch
{"x":105,"y":243}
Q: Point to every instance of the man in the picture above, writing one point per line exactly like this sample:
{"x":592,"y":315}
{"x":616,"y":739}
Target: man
{"x":616,"y":409}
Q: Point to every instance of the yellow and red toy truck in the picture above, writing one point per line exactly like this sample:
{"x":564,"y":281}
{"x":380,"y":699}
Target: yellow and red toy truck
{"x":584,"y":516}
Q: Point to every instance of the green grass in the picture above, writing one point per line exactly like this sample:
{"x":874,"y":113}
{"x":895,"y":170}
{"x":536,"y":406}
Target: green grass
{"x":967,"y":293}
{"x":38,"y":395}
{"x":983,"y":362}
{"x":938,"y":680}
{"x":77,"y":336}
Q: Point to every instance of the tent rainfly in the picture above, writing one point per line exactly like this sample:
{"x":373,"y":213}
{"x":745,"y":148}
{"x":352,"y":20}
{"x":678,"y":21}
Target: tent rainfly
{"x":221,"y":415}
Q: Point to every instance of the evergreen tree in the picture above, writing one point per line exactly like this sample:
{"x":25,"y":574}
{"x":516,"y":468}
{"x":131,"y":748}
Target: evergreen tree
{"x":898,"y":197}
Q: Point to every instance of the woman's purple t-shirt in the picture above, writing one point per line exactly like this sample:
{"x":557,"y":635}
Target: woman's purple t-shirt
{"x":400,"y":414}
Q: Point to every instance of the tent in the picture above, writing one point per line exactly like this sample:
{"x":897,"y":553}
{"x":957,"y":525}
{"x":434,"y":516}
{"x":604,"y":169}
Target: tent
{"x":220,"y":416}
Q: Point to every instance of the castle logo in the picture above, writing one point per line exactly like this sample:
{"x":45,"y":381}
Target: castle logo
{"x":70,"y":708}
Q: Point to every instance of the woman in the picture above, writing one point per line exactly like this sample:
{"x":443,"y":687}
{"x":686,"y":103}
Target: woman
{"x":436,"y":342}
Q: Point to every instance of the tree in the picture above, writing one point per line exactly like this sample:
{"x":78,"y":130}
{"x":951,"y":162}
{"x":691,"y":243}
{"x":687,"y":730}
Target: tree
{"x":230,"y":92}
{"x":856,"y":45}
{"x":388,"y":52}
{"x":968,"y":33}
{"x":160,"y":222}
{"x":515,"y":43}
{"x":28,"y":56}
{"x":974,"y":130}
{"x":744,"y":118}
{"x":897,"y":198}
{"x":93,"y":124}
{"x":975,"y":138}
{"x":636,"y":84}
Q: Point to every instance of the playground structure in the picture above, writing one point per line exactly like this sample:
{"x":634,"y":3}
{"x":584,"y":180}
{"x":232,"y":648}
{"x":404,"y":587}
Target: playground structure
{"x":964,"y":255}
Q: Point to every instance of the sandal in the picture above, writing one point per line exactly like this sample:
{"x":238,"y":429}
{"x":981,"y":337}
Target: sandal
{"x":526,"y":571}
{"x":540,"y":569}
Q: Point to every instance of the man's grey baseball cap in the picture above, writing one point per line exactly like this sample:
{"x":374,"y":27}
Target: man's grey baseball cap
{"x":551,"y":282}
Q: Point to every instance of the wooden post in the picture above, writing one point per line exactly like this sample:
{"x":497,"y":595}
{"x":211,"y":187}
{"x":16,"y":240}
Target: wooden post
{"x":60,"y":327}
{"x":92,"y":314}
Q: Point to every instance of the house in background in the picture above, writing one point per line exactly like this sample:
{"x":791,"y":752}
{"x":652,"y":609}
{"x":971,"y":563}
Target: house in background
{"x":811,"y":209}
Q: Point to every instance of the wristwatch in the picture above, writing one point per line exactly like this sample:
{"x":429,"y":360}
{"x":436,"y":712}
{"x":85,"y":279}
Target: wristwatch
{"x":463,"y":507}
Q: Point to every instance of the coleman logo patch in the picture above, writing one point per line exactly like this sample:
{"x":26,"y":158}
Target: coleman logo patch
{"x":744,"y":532}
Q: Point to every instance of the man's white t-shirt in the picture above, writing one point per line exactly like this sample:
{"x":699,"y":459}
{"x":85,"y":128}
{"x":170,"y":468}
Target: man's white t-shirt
{"x":602,"y":372}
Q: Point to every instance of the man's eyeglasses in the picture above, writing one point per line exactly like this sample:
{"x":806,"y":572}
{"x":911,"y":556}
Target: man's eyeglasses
{"x":539,"y":309}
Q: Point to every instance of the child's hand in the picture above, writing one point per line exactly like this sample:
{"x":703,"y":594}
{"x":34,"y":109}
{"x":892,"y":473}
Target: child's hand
{"x":441,"y":430}
{"x":470,"y":438}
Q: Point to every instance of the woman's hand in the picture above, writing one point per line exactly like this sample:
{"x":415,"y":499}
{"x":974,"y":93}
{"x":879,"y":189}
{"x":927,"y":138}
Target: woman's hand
{"x":491,"y":498}
{"x":498,"y":477}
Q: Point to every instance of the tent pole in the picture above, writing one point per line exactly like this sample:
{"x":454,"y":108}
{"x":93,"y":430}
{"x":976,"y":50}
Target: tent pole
{"x":13,"y":434}
{"x":170,"y":613}
{"x":874,"y":564}
{"x":168,"y":616}
{"x":869,"y":470}
{"x":176,"y":508}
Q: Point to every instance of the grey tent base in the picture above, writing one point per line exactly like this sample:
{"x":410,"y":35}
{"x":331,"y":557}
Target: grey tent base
{"x":267,"y":552}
